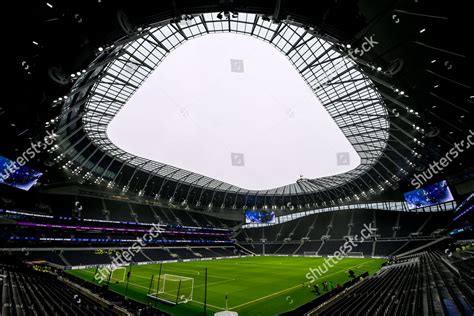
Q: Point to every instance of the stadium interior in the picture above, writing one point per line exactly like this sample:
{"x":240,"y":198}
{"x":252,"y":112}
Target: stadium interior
{"x":233,"y":157}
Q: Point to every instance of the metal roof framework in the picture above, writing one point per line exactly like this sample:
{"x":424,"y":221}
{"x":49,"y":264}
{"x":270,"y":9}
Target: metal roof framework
{"x":349,"y":96}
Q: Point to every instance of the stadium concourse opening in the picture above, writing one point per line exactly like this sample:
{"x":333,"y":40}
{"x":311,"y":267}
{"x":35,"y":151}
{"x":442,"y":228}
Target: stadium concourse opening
{"x":233,"y":108}
{"x":228,"y":158}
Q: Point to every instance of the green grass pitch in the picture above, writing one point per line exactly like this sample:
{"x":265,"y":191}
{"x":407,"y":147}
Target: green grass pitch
{"x":254,"y":285}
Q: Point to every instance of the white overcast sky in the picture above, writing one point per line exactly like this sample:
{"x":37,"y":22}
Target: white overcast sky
{"x":193,"y":112}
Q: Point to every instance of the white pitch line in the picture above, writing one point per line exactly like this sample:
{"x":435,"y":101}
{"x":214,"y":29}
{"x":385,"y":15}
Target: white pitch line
{"x":288,"y":289}
{"x":202,"y":303}
{"x":181,"y":271}
{"x":258,"y":299}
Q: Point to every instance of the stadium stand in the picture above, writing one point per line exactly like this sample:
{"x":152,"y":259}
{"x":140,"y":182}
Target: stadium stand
{"x":423,"y":283}
{"x":338,"y":225}
{"x":159,"y":158}
{"x":26,"y":292}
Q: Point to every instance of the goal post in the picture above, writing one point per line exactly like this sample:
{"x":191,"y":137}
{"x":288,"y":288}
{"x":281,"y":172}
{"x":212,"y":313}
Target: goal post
{"x":310,"y":254}
{"x":172,"y":289}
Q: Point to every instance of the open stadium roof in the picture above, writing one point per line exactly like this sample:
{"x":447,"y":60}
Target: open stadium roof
{"x":233,"y":108}
{"x":347,"y":94}
{"x":401,"y":105}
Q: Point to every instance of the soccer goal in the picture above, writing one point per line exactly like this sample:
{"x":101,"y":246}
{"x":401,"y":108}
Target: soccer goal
{"x":310,"y":253}
{"x":118,"y":275}
{"x":355,"y":254}
{"x":172,"y":289}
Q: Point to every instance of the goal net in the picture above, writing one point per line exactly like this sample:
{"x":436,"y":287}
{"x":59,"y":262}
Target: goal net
{"x":310,"y":253}
{"x":117,"y":275}
{"x":173,"y":289}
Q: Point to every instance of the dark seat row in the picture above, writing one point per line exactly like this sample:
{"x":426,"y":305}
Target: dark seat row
{"x":27,"y":292}
{"x":424,"y":286}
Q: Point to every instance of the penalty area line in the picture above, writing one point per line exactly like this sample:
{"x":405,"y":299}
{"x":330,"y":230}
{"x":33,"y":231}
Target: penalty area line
{"x":192,"y":301}
{"x":291,"y":288}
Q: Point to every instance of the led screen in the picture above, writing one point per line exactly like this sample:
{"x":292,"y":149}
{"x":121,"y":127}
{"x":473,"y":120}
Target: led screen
{"x":429,"y":195}
{"x":16,"y":175}
{"x":465,"y":208}
{"x":260,"y":217}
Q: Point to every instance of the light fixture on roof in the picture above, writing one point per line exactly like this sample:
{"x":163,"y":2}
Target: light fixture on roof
{"x":422,"y":30}
{"x":49,"y":5}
